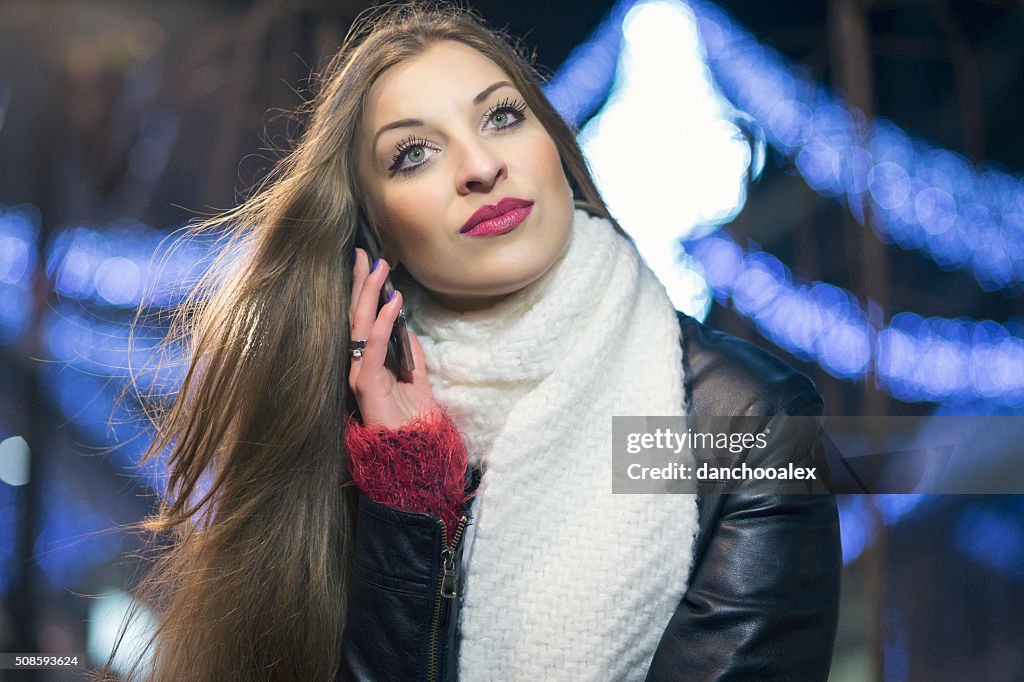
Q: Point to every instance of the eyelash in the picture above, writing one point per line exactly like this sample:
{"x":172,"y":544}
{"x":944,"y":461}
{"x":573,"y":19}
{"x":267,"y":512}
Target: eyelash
{"x":403,"y":148}
{"x":516,"y":106}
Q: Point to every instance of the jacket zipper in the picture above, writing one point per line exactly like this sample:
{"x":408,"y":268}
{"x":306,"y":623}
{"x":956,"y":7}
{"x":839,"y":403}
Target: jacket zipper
{"x":446,"y":588}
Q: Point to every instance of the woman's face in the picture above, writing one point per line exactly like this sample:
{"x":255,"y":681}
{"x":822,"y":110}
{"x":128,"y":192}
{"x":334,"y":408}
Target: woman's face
{"x":443,"y":135}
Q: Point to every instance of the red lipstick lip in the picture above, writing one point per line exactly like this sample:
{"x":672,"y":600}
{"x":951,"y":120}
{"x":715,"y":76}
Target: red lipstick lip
{"x":492,"y":211}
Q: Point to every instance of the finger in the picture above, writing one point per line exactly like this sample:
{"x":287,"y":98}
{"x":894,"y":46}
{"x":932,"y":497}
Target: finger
{"x":360,"y":269}
{"x":364,"y":313}
{"x":377,"y":340}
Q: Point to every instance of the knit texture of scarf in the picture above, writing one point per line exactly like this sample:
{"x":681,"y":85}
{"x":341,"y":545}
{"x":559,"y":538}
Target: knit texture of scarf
{"x":566,"y":581}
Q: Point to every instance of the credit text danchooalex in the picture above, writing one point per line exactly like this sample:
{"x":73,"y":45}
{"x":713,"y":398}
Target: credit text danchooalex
{"x":735,"y":443}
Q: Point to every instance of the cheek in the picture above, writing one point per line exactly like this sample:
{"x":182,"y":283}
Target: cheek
{"x":547,"y":164}
{"x":411,"y":217}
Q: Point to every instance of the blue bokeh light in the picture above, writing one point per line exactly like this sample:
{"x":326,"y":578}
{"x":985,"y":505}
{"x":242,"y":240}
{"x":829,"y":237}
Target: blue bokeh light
{"x":855,"y":530}
{"x":19,"y":237}
{"x":915,"y":359}
{"x":107,"y":349}
{"x":584,"y":78}
{"x":125,"y":264}
{"x":993,"y":537}
{"x":74,"y":537}
{"x":923,"y":197}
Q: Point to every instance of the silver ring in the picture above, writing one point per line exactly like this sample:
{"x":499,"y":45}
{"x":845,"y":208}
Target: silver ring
{"x":356,"y":348}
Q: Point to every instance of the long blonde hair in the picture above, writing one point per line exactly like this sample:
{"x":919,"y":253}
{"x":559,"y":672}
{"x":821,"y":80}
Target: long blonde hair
{"x":249,"y":578}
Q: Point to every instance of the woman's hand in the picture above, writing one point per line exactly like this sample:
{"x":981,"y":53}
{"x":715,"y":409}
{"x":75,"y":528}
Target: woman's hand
{"x":383,"y":398}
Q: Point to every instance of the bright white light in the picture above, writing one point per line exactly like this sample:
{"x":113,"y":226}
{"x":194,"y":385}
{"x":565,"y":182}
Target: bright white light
{"x":667,"y":158}
{"x":105,"y":617}
{"x":14,"y":461}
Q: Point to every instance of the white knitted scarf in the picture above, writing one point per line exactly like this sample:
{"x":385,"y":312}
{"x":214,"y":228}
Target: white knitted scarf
{"x":566,"y":581}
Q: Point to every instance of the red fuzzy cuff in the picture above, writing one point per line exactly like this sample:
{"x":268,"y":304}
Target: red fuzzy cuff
{"x":419,"y":467}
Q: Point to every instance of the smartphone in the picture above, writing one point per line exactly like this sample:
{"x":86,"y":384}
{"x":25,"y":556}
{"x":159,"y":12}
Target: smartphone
{"x":399,"y":349}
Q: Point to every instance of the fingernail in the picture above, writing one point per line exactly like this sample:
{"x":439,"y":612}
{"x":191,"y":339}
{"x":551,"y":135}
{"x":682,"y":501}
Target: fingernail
{"x":392,"y":295}
{"x":375,"y":265}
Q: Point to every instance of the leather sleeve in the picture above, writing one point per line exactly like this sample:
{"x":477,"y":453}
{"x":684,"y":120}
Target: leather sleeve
{"x":394,"y":596}
{"x":763,"y":598}
{"x":391,"y":595}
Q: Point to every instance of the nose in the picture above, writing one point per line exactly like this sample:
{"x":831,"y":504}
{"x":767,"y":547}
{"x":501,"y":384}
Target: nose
{"x":482,"y":167}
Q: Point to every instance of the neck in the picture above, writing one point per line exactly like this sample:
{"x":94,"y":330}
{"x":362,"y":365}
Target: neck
{"x":464,"y":304}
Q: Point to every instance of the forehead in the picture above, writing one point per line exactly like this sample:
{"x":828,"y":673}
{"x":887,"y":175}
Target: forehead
{"x":446,"y":75}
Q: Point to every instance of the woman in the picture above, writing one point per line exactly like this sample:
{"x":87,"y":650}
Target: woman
{"x":481,"y":540}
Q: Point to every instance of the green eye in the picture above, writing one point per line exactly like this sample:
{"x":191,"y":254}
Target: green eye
{"x":505,"y":114}
{"x":410,"y":154}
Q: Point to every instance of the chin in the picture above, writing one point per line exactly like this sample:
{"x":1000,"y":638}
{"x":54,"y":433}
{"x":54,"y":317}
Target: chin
{"x":503,"y":285}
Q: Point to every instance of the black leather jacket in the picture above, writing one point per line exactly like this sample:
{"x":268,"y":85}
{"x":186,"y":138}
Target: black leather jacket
{"x":763,"y":595}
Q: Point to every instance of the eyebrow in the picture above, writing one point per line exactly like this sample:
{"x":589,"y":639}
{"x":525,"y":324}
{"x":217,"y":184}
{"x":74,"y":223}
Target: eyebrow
{"x":412,"y":122}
